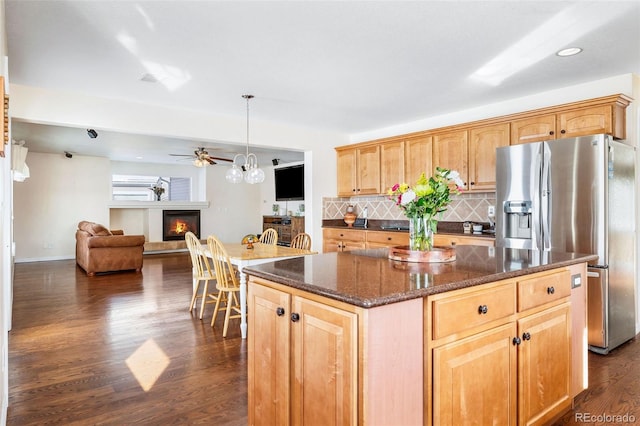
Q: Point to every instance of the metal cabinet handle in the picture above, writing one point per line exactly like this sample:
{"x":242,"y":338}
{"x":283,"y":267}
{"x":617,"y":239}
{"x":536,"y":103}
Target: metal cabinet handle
{"x":483,"y":309}
{"x":280,"y":311}
{"x":551,"y":290}
{"x":526,"y":336}
{"x":551,"y":132}
{"x":563,"y":131}
{"x":295,"y":317}
{"x":516,"y":341}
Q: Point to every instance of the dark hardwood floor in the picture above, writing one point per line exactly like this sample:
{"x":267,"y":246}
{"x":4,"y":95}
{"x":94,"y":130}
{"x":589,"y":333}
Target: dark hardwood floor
{"x":123,"y":349}
{"x":73,"y":359}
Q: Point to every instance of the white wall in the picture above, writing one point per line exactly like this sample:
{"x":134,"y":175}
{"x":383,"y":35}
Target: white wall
{"x":48,"y":205}
{"x":594,"y":89}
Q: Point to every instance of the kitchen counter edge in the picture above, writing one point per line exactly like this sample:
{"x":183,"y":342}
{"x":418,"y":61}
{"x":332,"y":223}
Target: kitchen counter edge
{"x":415,"y":293}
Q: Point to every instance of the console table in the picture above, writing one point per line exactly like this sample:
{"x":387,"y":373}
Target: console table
{"x":287,"y":227}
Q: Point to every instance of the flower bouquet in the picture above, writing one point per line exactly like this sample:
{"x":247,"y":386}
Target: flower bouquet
{"x":423,"y":201}
{"x":158,"y":190}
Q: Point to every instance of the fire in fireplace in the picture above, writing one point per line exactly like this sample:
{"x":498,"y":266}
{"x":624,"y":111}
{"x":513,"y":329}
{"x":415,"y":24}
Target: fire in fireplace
{"x":175,"y":223}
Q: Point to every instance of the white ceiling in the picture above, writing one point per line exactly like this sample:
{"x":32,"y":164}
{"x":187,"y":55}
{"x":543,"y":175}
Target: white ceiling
{"x":344,"y":66}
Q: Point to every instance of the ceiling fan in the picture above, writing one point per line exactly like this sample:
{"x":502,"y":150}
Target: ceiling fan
{"x":202,"y":158}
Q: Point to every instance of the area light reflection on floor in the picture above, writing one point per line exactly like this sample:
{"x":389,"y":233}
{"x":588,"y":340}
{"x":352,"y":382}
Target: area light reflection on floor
{"x":147,"y":364}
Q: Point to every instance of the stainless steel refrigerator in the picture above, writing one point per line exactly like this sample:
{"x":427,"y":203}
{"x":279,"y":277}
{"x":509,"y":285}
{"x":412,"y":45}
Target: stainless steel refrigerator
{"x":576,"y":195}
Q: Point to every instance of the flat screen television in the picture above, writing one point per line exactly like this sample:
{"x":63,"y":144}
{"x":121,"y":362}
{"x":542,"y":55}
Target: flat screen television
{"x":289,"y":183}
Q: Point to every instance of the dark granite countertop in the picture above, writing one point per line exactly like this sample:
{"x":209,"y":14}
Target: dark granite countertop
{"x":368,"y":278}
{"x":448,"y":228}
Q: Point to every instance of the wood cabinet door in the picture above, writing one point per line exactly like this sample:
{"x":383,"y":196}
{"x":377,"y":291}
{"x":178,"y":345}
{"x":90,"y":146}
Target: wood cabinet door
{"x":475,"y":378}
{"x":585,"y":121}
{"x":269,"y":358}
{"x":534,"y":129}
{"x":391,"y":165}
{"x":483,"y":142}
{"x":346,"y":163}
{"x":297,"y":226}
{"x":325,"y":359}
{"x":450,"y":152}
{"x":417,"y":158}
{"x":544,"y":365}
{"x":368,"y":170}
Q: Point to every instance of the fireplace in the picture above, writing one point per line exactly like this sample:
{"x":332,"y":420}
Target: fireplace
{"x":175,"y":223}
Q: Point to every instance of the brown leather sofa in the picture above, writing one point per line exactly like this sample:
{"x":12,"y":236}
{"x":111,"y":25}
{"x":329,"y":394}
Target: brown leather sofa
{"x":101,"y":250}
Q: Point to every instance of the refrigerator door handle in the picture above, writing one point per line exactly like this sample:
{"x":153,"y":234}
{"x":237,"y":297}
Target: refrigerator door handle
{"x":545,"y":199}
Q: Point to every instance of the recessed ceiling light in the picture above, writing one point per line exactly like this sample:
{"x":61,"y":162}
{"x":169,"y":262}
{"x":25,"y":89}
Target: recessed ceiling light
{"x":149,"y":78}
{"x":569,"y":51}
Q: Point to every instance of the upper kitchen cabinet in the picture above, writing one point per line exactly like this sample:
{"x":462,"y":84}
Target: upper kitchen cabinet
{"x":417,"y":158}
{"x":483,"y":142}
{"x":391,"y":164}
{"x":534,"y":129}
{"x":450,"y":151}
{"x":358,"y":170}
{"x":601,"y":115}
{"x":585,"y":121}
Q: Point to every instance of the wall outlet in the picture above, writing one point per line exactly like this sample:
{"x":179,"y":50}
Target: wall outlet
{"x":491,"y":211}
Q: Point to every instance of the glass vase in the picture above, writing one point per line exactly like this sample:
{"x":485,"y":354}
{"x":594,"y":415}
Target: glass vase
{"x":420,"y":234}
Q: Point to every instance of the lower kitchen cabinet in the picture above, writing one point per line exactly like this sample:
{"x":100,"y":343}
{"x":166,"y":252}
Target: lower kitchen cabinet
{"x":475,"y":378}
{"x":544,"y":365}
{"x":318,"y":361}
{"x":335,"y":239}
{"x":303,"y":354}
{"x":501,"y":352}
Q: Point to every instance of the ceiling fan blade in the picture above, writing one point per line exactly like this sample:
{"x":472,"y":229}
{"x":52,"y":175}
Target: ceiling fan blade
{"x":209,"y":160}
{"x":181,"y":155}
{"x":221,"y":159}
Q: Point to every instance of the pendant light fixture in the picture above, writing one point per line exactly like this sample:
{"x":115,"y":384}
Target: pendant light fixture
{"x":252,"y":172}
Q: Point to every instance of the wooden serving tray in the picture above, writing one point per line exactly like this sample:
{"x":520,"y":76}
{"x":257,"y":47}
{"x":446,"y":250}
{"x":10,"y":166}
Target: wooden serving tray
{"x":435,"y":255}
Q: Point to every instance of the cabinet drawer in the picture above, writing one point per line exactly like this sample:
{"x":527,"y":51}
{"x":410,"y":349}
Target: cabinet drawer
{"x":543,"y":289}
{"x":452,"y":240}
{"x":388,"y":238}
{"x":465,"y":311}
{"x":344,"y":234}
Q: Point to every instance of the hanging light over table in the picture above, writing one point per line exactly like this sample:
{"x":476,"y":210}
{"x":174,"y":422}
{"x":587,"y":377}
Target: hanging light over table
{"x":252,"y":172}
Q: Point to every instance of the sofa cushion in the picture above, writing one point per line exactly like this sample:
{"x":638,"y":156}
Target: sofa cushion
{"x":94,"y":228}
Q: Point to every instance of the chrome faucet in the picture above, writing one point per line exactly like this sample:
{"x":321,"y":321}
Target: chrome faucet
{"x":365,"y":214}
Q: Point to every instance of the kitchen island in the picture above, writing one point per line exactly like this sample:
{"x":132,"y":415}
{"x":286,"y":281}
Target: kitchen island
{"x":356,"y":338}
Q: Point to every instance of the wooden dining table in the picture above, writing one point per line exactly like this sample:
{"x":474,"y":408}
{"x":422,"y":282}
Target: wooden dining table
{"x":241,"y":257}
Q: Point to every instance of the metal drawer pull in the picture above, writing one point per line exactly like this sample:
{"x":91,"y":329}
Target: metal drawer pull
{"x":551,"y":290}
{"x":483,"y":309}
{"x":280,"y":311}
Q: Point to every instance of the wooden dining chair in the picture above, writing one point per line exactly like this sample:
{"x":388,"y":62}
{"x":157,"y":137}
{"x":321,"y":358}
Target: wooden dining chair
{"x":202,"y":274}
{"x":227,"y":284}
{"x":269,"y":236}
{"x":301,"y":241}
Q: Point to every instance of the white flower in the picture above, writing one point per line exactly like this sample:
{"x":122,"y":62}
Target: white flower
{"x":455,"y":177}
{"x":407,"y":197}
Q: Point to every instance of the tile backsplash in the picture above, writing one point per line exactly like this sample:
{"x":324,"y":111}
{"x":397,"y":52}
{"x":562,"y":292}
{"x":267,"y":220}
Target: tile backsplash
{"x":463,"y":207}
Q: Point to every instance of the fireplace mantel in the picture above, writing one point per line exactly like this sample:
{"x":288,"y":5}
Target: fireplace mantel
{"x":171,"y":205}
